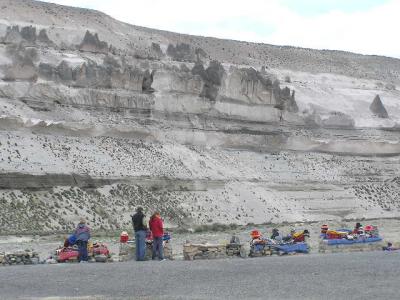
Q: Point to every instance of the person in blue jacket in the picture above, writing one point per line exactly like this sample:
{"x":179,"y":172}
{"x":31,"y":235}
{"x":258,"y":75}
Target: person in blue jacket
{"x":82,"y":234}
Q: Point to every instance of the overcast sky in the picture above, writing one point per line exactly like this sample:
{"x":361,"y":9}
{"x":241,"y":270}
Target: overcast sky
{"x":362,"y":26}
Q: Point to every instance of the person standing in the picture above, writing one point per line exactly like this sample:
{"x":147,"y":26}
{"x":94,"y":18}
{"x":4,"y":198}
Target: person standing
{"x":157,"y":229}
{"x":140,"y":228}
{"x":82,"y":235}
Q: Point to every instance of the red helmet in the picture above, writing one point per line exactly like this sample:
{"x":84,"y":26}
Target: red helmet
{"x":369,"y":228}
{"x":255,"y":234}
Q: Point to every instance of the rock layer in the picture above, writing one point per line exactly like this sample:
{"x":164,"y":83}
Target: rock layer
{"x":98,"y":117}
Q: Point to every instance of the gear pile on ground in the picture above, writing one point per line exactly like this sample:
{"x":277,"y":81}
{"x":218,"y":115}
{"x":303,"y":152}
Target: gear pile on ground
{"x":26,"y":257}
{"x":342,"y":240}
{"x":192,"y":251}
{"x":293,"y":243}
{"x":98,"y":252}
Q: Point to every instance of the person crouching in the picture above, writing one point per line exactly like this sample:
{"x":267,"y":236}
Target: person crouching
{"x":157,"y":229}
{"x":82,"y":234}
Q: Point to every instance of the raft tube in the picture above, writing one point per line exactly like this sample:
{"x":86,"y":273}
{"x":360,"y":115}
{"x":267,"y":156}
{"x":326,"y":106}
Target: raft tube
{"x":351,"y":242}
{"x":290,"y":248}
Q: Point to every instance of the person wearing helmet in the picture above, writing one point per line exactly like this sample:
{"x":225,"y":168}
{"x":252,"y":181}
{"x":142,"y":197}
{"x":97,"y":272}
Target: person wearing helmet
{"x":361,"y":231}
{"x":276,"y":236}
{"x":324,"y":229}
{"x":291,"y":235}
{"x":390,"y":247}
{"x":357,"y":228}
{"x":256,"y":237}
{"x":299,"y":237}
{"x":255,"y":234}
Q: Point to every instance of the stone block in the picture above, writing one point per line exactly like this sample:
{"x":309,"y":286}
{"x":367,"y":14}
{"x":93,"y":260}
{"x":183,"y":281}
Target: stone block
{"x":20,"y":257}
{"x":127,"y":251}
{"x":203,"y":251}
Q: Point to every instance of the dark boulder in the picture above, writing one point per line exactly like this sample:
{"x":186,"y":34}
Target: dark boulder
{"x":285,"y":98}
{"x":13,"y":36}
{"x":22,"y":67}
{"x":214,"y":73}
{"x":156,"y":51}
{"x":198,"y":69}
{"x":92,"y":43}
{"x":47,"y":71}
{"x":28,"y":33}
{"x":181,"y":52}
{"x":212,"y":78}
{"x":44,"y":38}
{"x":378,"y":109}
{"x":64,"y":71}
{"x":148,"y":81}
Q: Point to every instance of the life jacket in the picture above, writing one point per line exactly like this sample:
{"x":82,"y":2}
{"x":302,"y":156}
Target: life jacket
{"x":298,"y":237}
{"x":137,"y":221}
{"x":82,"y":233}
{"x":334,"y":234}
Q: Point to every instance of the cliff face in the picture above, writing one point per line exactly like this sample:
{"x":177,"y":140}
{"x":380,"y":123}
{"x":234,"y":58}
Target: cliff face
{"x":98,"y":116}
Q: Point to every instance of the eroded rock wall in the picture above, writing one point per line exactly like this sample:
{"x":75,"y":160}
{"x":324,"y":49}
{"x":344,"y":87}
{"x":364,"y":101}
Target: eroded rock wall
{"x":95,"y":120}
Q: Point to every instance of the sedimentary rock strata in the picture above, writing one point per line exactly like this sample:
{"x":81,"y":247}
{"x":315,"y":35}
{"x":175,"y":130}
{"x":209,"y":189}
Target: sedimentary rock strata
{"x":98,"y":117}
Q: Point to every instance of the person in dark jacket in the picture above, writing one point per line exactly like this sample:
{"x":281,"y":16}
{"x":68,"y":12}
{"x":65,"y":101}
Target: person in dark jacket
{"x":275,"y":234}
{"x":82,"y":235}
{"x":357,"y":228}
{"x":157,"y":229}
{"x":140,"y":228}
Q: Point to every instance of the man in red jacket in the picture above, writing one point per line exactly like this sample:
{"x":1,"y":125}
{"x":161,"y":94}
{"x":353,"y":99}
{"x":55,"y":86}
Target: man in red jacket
{"x":157,"y":230}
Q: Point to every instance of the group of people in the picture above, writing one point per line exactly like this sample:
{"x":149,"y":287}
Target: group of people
{"x":359,"y":232}
{"x":141,"y":228}
{"x":276,"y":238}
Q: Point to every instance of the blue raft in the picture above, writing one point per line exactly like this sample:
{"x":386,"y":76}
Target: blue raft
{"x":283,"y":248}
{"x":290,"y":248}
{"x":351,"y":242}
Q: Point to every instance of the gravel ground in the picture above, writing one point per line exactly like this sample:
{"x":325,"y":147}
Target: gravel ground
{"x":373,"y":275}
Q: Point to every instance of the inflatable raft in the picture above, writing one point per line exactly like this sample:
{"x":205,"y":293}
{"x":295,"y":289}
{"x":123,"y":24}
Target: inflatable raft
{"x":361,"y":240}
{"x":346,"y":240}
{"x":280,"y":249}
{"x":293,"y":248}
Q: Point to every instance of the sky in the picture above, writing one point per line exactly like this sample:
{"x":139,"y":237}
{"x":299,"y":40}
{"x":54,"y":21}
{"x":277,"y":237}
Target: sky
{"x":361,"y":26}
